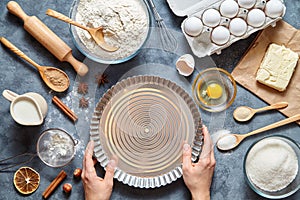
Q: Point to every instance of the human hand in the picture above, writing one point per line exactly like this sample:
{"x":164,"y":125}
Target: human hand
{"x":198,"y":176}
{"x":96,"y":188}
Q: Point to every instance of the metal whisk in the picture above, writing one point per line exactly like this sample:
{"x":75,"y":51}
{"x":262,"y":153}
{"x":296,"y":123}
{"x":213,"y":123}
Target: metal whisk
{"x":168,"y":40}
{"x":27,"y":157}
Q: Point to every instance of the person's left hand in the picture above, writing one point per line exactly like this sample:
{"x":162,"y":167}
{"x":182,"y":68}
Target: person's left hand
{"x":198,"y":176}
{"x":96,"y":188}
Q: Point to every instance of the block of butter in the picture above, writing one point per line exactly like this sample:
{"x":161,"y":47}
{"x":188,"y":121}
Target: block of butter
{"x":277,"y":67}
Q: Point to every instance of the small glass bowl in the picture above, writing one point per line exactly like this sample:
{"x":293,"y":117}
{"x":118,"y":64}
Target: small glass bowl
{"x":292,"y":188}
{"x":106,"y":59}
{"x":223,"y":97}
{"x":55,"y":147}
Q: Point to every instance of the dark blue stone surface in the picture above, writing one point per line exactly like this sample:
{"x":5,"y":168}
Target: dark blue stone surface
{"x":20,"y":77}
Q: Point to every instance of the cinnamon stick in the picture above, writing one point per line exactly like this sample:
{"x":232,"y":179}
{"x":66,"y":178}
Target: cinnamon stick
{"x":53,"y":185}
{"x":64,"y":108}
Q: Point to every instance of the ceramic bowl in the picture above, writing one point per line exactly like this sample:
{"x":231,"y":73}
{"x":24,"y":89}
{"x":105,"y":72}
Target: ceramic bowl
{"x":100,"y":55}
{"x":211,"y":101}
{"x":285,"y":192}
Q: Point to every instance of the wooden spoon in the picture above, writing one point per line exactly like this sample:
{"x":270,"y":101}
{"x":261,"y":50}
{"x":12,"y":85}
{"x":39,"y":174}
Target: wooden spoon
{"x":244,"y":113}
{"x":47,"y":38}
{"x":54,"y":78}
{"x":96,"y":33}
{"x":230,"y":141}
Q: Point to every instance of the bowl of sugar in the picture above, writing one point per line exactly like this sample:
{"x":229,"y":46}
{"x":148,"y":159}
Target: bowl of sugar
{"x":271,"y":167}
{"x":126,"y":25}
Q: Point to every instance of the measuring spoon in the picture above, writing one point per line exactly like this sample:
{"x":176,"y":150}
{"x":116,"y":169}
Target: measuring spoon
{"x":54,"y":78}
{"x":230,"y":141}
{"x":96,"y":33}
{"x":245,"y":113}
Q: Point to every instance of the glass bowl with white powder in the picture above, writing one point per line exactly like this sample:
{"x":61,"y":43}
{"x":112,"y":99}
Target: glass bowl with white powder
{"x":271,"y":167}
{"x":126,"y":25}
{"x":55,"y":147}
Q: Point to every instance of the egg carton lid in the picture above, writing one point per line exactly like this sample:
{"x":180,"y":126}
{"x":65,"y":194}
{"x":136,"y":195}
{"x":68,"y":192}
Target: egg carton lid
{"x":185,"y":8}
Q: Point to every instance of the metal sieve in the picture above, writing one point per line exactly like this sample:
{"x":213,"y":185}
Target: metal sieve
{"x":55,"y":148}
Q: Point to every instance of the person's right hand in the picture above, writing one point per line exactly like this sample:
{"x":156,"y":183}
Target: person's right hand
{"x":198,"y":176}
{"x":96,"y":188}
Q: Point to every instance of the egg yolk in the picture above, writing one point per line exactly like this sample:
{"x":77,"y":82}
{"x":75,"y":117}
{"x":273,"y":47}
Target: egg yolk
{"x":214,"y":91}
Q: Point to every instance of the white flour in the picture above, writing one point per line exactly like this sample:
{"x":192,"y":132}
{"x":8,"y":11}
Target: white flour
{"x":56,"y":150}
{"x":125,"y":24}
{"x":272,"y":164}
{"x":59,"y":146}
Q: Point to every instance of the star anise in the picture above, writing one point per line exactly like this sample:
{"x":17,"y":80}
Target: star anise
{"x":83,"y":102}
{"x":101,"y":79}
{"x":83,"y":88}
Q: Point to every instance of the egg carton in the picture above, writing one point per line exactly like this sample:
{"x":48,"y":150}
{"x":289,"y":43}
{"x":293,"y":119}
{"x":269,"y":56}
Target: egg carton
{"x":212,"y":25}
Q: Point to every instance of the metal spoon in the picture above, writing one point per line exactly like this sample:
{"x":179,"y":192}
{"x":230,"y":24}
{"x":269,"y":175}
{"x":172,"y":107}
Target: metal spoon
{"x":96,"y":33}
{"x":230,"y":141}
{"x":244,"y":113}
{"x":54,"y":78}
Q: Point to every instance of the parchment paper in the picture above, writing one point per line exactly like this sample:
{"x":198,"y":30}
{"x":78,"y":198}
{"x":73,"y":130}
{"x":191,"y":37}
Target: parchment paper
{"x":245,"y":72}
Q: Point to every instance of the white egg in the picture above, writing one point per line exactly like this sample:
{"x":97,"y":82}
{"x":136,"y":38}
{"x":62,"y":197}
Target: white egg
{"x":193,"y":26}
{"x":220,"y":35}
{"x":211,"y":17}
{"x":229,"y":8}
{"x":256,"y":18}
{"x":246,"y":3}
{"x":185,"y":64}
{"x":274,"y":8}
{"x":238,"y":27}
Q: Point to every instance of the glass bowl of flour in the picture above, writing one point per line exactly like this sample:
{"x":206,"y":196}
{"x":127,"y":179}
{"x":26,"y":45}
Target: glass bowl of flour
{"x":271,"y":167}
{"x":55,"y":147}
{"x":125,"y":24}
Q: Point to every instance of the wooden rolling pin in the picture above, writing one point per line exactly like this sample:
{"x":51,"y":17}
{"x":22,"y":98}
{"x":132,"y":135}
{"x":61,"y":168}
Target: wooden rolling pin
{"x":47,"y":38}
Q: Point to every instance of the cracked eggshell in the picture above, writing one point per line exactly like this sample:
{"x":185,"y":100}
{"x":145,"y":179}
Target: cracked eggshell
{"x":256,"y":18}
{"x":185,"y":64}
{"x":274,"y":8}
{"x":229,"y":8}
{"x":193,"y":26}
{"x":211,"y":17}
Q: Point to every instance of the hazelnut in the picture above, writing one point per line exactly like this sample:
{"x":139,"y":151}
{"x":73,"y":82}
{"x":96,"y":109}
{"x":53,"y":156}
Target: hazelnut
{"x":67,"y":187}
{"x":77,"y":173}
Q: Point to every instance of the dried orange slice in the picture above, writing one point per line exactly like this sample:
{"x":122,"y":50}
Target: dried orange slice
{"x":26,"y":180}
